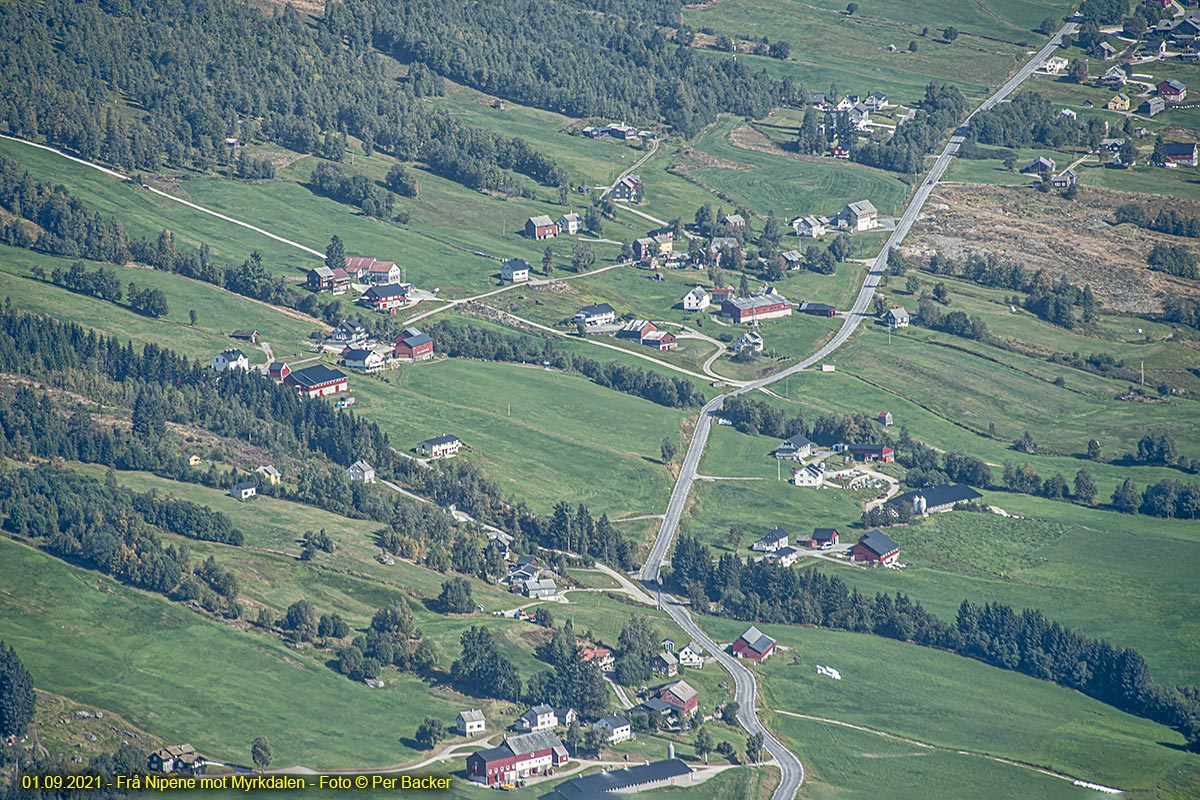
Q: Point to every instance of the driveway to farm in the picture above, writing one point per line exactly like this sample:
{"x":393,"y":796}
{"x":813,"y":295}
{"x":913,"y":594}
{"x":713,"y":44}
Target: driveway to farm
{"x":792,"y":771}
{"x":629,"y":171}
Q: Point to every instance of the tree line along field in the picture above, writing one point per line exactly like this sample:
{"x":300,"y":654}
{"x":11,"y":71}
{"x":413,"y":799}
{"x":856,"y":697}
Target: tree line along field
{"x":939,"y":698}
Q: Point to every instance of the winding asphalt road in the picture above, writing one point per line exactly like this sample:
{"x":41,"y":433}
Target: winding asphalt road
{"x":746,"y":690}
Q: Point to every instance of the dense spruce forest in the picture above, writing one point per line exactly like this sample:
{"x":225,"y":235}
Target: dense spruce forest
{"x":993,"y":633}
{"x":143,"y":84}
{"x":564,"y":57}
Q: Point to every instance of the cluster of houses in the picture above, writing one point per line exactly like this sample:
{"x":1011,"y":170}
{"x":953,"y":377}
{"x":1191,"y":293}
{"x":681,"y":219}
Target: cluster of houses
{"x":526,"y":577}
{"x":1043,"y":169}
{"x":618,"y":131}
{"x":176,"y":758}
{"x":857,"y":216}
{"x":935,"y":499}
{"x":357,"y":350}
{"x":873,"y":546}
{"x":358,"y":270}
{"x":542,"y":227}
{"x":645,"y":332}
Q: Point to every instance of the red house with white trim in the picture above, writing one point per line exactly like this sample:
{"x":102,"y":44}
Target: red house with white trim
{"x":1172,"y":91}
{"x":517,"y":757}
{"x":278,"y":370}
{"x":681,"y":696}
{"x":413,"y":345}
{"x":386,"y":298}
{"x":759,"y":306}
{"x":754,"y":645}
{"x":876,"y":546}
{"x":317,"y":381}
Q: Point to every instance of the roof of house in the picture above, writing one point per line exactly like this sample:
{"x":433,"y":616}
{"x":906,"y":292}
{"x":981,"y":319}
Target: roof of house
{"x":680,"y":690}
{"x":613,"y":782}
{"x":659,"y":336}
{"x":797,"y":441}
{"x":233,"y":354}
{"x":698,"y":292}
{"x":531,"y":742}
{"x":515,"y":264}
{"x":941,"y":495}
{"x":758,"y":641}
{"x":817,"y":307}
{"x":824,"y":534}
{"x":411,"y":337}
{"x":322,"y":272}
{"x":572,"y":217}
{"x":596,"y":310}
{"x":362,"y":465}
{"x":341,"y":274}
{"x":541,"y":220}
{"x":774,"y":535}
{"x":654,"y":704}
{"x":1108,"y":48}
{"x":358,"y":354}
{"x":350,"y":326}
{"x":899,"y":312}
{"x":733,"y":219}
{"x":1173,"y":85}
{"x":878,"y":542}
{"x":242,"y":333}
{"x":668,"y":658}
{"x":810,"y":221}
{"x":613,"y":721}
{"x":540,"y":585}
{"x":316,"y":375}
{"x":472,"y":715}
{"x":723,"y":241}
{"x":240,"y":485}
{"x":792,"y":255}
{"x":445,"y":438}
{"x":756,"y":301}
{"x":269,"y":469}
{"x":784,"y":552}
{"x":877,"y":96}
{"x":175,"y":750}
{"x":387,"y":290}
{"x":862,"y":207}
{"x":1179,"y":148}
{"x":276,"y":366}
{"x":383,"y":266}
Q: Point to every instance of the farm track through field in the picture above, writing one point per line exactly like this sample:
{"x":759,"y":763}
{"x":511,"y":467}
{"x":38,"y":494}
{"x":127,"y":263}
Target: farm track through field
{"x":927,"y":746}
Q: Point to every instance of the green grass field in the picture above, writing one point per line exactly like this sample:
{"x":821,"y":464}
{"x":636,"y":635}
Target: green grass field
{"x":954,"y":702}
{"x":544,"y":436}
{"x":790,"y":187}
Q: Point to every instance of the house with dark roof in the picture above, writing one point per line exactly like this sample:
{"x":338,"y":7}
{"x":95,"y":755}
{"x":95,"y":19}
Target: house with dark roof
{"x":413,"y":345}
{"x":1153,"y":106}
{"x":538,"y":718}
{"x":348,"y":333}
{"x":440,"y":446}
{"x":734,"y":220}
{"x":387,"y":297}
{"x":1180,"y":153}
{"x":616,"y":729}
{"x":317,"y":381}
{"x":360,"y":472}
{"x":320,"y":279}
{"x":596,"y":314}
{"x":875,"y":546}
{"x":517,"y":757}
{"x":754,"y":645}
{"x":818,"y":309}
{"x":935,"y":499}
{"x":229,"y":360}
{"x":243,"y":490}
{"x":867,"y":452}
{"x":176,"y":758}
{"x":785,"y":556}
{"x":363,"y":359}
{"x":774,"y":540}
{"x":636,"y":330}
{"x":629,"y":189}
{"x":278,"y":370}
{"x":1039,"y":166}
{"x":794,"y":448}
{"x":665,"y":664}
{"x":823,"y":538}
{"x":514,"y":270}
{"x":245,"y":334}
{"x":623,"y":781}
{"x":896,"y":317}
{"x":1065,"y":179}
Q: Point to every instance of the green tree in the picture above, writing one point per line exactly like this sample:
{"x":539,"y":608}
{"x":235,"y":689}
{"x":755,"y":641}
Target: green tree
{"x":17,"y":698}
{"x":1093,"y":449}
{"x":950,"y":34}
{"x":430,"y":732}
{"x":912,"y":46}
{"x":583,"y":256}
{"x":729,"y":712}
{"x":1127,"y":154}
{"x":1085,"y":488}
{"x":335,"y":253}
{"x":704,"y":744}
{"x":1159,"y":157}
{"x":192,"y":316}
{"x":851,"y":8}
{"x":456,"y":597}
{"x":637,"y":644}
{"x":543,"y":617}
{"x":668,"y":449}
{"x":593,"y":221}
{"x":301,"y":617}
{"x":912,"y":284}
{"x":401,"y":181}
{"x":260,"y":752}
{"x":1048,"y":26}
{"x":1126,"y":498}
{"x":754,"y":748}
{"x":548,"y":260}
{"x":574,"y":736}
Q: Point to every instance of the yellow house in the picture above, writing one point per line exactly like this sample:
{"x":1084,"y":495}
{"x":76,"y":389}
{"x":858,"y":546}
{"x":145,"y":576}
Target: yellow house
{"x":665,"y":244}
{"x":271,"y":474}
{"x":193,"y":460}
{"x":1119,"y":103}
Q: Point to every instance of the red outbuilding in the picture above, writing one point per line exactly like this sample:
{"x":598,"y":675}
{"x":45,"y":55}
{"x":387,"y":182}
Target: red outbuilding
{"x":754,"y":645}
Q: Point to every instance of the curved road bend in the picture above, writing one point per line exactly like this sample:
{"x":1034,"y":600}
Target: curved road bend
{"x":792,"y":770}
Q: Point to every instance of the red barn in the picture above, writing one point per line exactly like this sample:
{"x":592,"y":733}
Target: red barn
{"x":754,"y":645}
{"x":413,"y":345}
{"x":278,"y":370}
{"x":1172,"y":91}
{"x":869,"y":452}
{"x":681,"y":696}
{"x":759,"y":306}
{"x":517,"y":757}
{"x":317,"y":381}
{"x":818,"y":309}
{"x":540,"y":227}
{"x":876,"y":546}
{"x":659,"y":340}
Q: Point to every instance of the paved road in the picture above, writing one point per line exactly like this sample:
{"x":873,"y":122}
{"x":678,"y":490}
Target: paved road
{"x":791,"y":768}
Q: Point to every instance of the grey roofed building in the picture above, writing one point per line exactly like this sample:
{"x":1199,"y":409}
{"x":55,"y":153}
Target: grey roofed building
{"x":757,"y":640}
{"x":681,"y":690}
{"x":824,"y":535}
{"x":542,"y":587}
{"x":897,"y":317}
{"x":862,"y":207}
{"x":878,"y":543}
{"x":316,"y":375}
{"x":1038,"y":165}
{"x":445,"y":438}
{"x":619,"y":782}
{"x":941,"y":497}
{"x":797,"y":446}
{"x":473,"y":715}
{"x":657,"y":706}
{"x":532,"y":742}
{"x":776,"y":538}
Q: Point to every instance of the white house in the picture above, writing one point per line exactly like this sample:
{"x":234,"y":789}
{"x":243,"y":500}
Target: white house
{"x":538,"y":718}
{"x":691,"y":656}
{"x":244,"y":490}
{"x":515,"y":270}
{"x":750,"y":340}
{"x":598,"y":314}
{"x":229,"y":360}
{"x":361,"y":472}
{"x":697,"y":299}
{"x":440,"y":446}
{"x":616,"y":729}
{"x":811,"y":476}
{"x":861,"y":216}
{"x":896,"y":317}
{"x":776,"y":539}
{"x":808,"y":227}
{"x":569,"y":223}
{"x":471,"y":722}
{"x":785,"y":556}
{"x":1054,"y":65}
{"x":363,"y":359}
